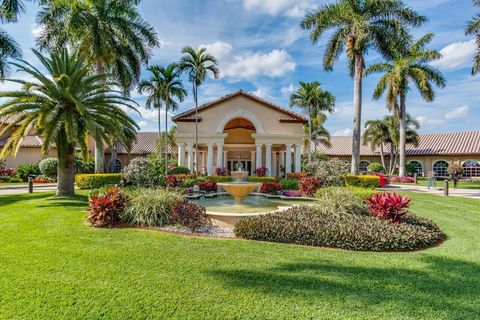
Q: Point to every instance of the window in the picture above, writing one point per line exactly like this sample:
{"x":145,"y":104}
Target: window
{"x":362,"y":166}
{"x":471,"y":168}
{"x":118,"y":166}
{"x":418,"y":167}
{"x":440,"y":168}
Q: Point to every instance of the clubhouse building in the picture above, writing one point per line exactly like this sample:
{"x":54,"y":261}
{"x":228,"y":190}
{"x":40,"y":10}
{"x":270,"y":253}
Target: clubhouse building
{"x":241,"y":128}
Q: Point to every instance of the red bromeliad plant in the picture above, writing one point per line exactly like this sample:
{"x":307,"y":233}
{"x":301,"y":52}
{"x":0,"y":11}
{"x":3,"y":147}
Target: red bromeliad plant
{"x":105,"y":208}
{"x":271,"y":187}
{"x":309,"y":185}
{"x":296,"y":175}
{"x":207,"y":186}
{"x":391,"y":206}
{"x":6,"y":172}
{"x":261,"y":171}
{"x":171,"y":181}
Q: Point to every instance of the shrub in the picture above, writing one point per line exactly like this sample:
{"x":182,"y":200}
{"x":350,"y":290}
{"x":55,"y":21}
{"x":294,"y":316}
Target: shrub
{"x":391,"y":206}
{"x":188,"y":214}
{"x":189,"y":182}
{"x":106,"y":208}
{"x":14,"y":180}
{"x":150,"y":207}
{"x":6,"y":172}
{"x":171,"y":181}
{"x":308,"y":185}
{"x":222,"y":172}
{"x":290,"y":184}
{"x":376,"y":167}
{"x":342,"y":200}
{"x":312,"y":225}
{"x":207,"y":186}
{"x":402,"y":179}
{"x":410,"y":169}
{"x":84,"y":165}
{"x":261,"y":171}
{"x":95,"y":181}
{"x":48,"y":167}
{"x":179,"y":170}
{"x":261,"y":179}
{"x":357,"y":194}
{"x":364,"y":181}
{"x":270,"y":187}
{"x":141,"y":172}
{"x":218,"y":178}
{"x":296,"y":175}
{"x":330,"y":172}
{"x":24,"y":171}
{"x":292,"y":193}
{"x":455,"y":170}
{"x":43,"y":179}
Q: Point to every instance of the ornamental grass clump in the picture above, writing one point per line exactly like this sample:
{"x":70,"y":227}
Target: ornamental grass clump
{"x":150,"y":207}
{"x":342,"y":201}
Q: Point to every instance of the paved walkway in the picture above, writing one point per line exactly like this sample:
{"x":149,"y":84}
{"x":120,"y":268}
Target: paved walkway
{"x":19,"y":189}
{"x":466,"y":193}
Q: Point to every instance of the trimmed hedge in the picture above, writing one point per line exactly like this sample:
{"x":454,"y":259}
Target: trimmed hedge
{"x":349,"y":192}
{"x":311,"y":225}
{"x":217,"y":178}
{"x":94,"y":181}
{"x":290,"y":184}
{"x":261,"y":179}
{"x":364,"y":181}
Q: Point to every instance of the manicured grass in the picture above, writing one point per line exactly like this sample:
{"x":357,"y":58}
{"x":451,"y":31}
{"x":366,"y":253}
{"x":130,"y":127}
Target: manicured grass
{"x":54,"y":266}
{"x":439,"y":184}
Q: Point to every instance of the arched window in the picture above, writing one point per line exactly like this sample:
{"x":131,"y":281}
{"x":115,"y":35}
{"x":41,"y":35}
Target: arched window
{"x":118,"y":166}
{"x":471,"y":168}
{"x":418,"y":167}
{"x":440,"y":168}
{"x":362,"y":166}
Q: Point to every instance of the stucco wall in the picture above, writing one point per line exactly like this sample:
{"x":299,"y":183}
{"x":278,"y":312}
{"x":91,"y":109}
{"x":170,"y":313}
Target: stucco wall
{"x":27,"y":155}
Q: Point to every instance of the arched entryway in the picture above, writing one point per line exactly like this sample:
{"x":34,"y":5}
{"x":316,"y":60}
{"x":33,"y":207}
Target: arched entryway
{"x":241,"y":143}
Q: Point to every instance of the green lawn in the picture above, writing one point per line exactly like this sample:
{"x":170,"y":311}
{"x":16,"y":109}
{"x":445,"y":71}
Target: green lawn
{"x":439,"y":184}
{"x":52,"y":266}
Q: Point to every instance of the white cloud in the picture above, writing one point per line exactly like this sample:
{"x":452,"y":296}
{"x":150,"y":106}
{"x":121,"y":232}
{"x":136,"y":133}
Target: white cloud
{"x":275,"y":63}
{"x":262,"y":93}
{"x":343,"y":132}
{"x":292,"y":35}
{"x":459,"y":112}
{"x":291,"y":8}
{"x":143,"y":124}
{"x":36,"y":30}
{"x":430,"y":122}
{"x":288,"y":89}
{"x":220,"y":50}
{"x":456,"y":55}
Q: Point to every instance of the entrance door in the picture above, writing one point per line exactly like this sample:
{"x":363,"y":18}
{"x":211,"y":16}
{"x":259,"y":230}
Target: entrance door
{"x":233,"y":164}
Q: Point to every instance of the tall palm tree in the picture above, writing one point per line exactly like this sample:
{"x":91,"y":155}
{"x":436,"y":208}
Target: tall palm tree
{"x":197,"y":65}
{"x":320,"y":133}
{"x":360,"y":25}
{"x":110,"y":33}
{"x":377,"y":136}
{"x":311,"y":97}
{"x":9,"y":48}
{"x":405,"y":68}
{"x":64,"y":107}
{"x":473,"y":29}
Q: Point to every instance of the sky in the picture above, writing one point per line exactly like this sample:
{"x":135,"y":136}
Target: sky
{"x":261,"y":49}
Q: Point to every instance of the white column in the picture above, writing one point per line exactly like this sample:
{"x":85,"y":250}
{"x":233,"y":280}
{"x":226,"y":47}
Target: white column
{"x":210,"y":159}
{"x":274,"y":164}
{"x":252,"y":159}
{"x":190,"y":156}
{"x":288,"y":158}
{"x":219,"y":155}
{"x":281,"y":161}
{"x":181,"y":154}
{"x":298,"y":158}
{"x":268,"y":159}
{"x":258,"y":154}
{"x":203,"y":155}
{"x":225,"y":159}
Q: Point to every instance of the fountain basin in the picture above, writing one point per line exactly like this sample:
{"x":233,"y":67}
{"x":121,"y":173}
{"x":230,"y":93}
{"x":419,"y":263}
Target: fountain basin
{"x":239,"y":176}
{"x":239,"y":190}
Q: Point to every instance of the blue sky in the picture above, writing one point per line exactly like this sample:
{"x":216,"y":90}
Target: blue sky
{"x":261,"y":49}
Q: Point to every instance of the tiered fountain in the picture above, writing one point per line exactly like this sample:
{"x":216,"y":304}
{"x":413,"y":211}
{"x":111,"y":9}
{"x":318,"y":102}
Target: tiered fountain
{"x":239,"y":189}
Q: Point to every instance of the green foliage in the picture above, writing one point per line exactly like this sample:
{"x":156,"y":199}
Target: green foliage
{"x":95,"y":181}
{"x":141,"y":172}
{"x":330,"y":172}
{"x":24,"y":171}
{"x":48,"y":167}
{"x":217,"y":178}
{"x":376,"y":167}
{"x":179,"y":170}
{"x":290,"y":184}
{"x":84,"y":165}
{"x":150,"y":207}
{"x":410,"y":169}
{"x":14,"y":180}
{"x":312,"y":225}
{"x":364,"y":181}
{"x":342,"y":200}
{"x":261,"y":179}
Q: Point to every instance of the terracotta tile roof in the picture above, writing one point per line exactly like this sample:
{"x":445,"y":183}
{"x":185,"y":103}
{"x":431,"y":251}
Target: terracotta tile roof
{"x":448,"y":143}
{"x":188,"y":115}
{"x":27,"y":142}
{"x":145,"y":144}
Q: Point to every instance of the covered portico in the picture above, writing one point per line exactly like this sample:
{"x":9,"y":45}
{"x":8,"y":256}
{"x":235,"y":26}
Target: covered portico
{"x":241,"y":128}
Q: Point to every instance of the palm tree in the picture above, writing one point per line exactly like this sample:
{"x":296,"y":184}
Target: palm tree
{"x":360,"y":25}
{"x":64,"y":107}
{"x":411,"y":66}
{"x":473,"y":28}
{"x":9,"y":48}
{"x":110,"y":33}
{"x":314,"y":99}
{"x":320,"y":134}
{"x":376,"y":135}
{"x":197,"y":64}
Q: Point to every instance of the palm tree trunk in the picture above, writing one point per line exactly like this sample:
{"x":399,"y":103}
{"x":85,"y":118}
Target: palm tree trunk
{"x":309,"y":150}
{"x":99,"y":149}
{"x":195,"y":95}
{"x":159,"y":108}
{"x":166,"y":136}
{"x":403,"y":136}
{"x":113,"y":157}
{"x":382,"y":156}
{"x":390,"y":167}
{"x":66,"y":173}
{"x":357,"y":116}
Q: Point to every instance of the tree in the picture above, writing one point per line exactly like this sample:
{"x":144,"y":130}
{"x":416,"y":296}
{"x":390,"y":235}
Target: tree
{"x":164,"y":85}
{"x":473,"y":29}
{"x":197,"y":65}
{"x":312,"y":98}
{"x":412,"y":66}
{"x":111,"y":33}
{"x":9,"y":48}
{"x":376,"y":135}
{"x":64,"y":107}
{"x":360,"y":25}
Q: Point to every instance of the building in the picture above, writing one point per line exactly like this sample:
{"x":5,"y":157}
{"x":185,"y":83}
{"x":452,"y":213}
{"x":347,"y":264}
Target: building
{"x":241,"y":128}
{"x":435,"y":153}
